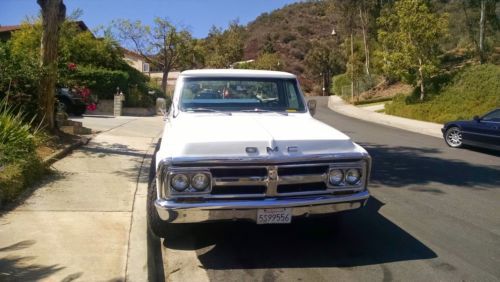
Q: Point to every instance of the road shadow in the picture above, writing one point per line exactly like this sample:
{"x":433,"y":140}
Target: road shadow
{"x":361,"y":237}
{"x":401,"y":166}
{"x":481,"y":150}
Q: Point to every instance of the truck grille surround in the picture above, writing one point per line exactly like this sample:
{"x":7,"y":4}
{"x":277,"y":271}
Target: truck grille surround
{"x":280,"y":180}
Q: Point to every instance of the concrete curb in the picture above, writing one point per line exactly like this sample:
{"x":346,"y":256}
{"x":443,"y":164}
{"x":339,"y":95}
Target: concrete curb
{"x":65,"y":151}
{"x":139,"y":266}
{"x":336,"y":104}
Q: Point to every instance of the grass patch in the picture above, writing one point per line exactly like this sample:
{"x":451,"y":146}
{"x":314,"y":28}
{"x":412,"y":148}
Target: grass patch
{"x":473,"y":91}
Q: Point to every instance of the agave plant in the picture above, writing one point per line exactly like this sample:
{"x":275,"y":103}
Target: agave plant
{"x":17,"y":137}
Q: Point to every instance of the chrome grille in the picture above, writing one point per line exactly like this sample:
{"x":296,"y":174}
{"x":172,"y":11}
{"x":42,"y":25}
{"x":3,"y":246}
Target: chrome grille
{"x":278,"y":180}
{"x":257,"y":181}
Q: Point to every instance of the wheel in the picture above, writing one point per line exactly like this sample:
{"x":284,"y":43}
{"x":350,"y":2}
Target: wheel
{"x":158,"y":226}
{"x":79,"y":111}
{"x":453,"y":137}
{"x":64,"y":106}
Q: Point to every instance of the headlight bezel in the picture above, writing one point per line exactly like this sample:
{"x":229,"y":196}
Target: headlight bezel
{"x":190,"y":190}
{"x":361,"y":167}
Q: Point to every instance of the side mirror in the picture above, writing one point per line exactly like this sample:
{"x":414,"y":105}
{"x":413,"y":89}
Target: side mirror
{"x":476,"y":118}
{"x":311,"y":105}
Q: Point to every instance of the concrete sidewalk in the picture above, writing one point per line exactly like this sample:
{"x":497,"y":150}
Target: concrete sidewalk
{"x":338,"y":105}
{"x":86,"y":222}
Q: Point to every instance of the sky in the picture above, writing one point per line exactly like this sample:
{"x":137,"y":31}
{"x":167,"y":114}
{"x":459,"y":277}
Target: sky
{"x":196,"y":15}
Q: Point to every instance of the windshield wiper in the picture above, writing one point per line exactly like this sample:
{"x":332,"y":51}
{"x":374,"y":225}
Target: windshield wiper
{"x":207,"y":110}
{"x":258,"y":110}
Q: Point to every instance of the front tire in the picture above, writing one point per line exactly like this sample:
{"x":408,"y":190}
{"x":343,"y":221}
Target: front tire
{"x":155,"y":223}
{"x":159,"y":227}
{"x":453,"y":137}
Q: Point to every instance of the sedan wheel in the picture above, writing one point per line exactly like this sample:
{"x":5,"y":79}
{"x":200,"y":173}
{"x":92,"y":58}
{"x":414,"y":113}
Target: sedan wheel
{"x":453,"y":137}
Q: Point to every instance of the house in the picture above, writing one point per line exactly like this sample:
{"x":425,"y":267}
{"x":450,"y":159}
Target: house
{"x":138,"y":62}
{"x":6,"y":31}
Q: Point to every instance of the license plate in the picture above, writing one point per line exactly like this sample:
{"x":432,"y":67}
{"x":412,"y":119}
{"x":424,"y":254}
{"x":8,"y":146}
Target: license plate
{"x":274,"y":216}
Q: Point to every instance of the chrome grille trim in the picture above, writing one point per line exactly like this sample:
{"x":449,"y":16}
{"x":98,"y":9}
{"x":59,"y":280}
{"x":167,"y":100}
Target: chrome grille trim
{"x":302,"y":178}
{"x":272,"y":184}
{"x":239,"y":181}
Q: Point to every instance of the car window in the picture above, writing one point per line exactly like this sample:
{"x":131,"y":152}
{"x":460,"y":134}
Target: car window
{"x":235,"y":94}
{"x":494,"y":116}
{"x":293,"y":96}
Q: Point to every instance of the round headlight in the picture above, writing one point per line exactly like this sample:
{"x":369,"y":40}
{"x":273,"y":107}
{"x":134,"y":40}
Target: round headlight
{"x":353,"y":176}
{"x":336,"y":176}
{"x":179,"y":182}
{"x":200,"y":181}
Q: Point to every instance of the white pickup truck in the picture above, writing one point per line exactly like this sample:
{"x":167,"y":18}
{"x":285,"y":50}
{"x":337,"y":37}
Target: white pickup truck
{"x":243,"y":145}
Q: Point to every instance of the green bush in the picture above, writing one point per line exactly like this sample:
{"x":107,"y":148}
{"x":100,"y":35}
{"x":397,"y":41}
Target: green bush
{"x":135,"y":98}
{"x":340,"y":81}
{"x":102,"y":82}
{"x":19,"y":164}
{"x":16,"y":136}
{"x":473,"y":91}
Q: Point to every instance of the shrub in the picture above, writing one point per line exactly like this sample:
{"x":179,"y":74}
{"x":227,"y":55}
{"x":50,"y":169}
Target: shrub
{"x":101,"y":81}
{"x":340,"y":81}
{"x":16,"y":136}
{"x":473,"y":91}
{"x":136,"y":98}
{"x":19,"y":164}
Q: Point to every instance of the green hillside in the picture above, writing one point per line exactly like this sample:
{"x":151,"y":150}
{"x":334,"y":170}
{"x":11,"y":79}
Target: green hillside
{"x":291,"y":31}
{"x":473,"y":91}
{"x":296,"y":29}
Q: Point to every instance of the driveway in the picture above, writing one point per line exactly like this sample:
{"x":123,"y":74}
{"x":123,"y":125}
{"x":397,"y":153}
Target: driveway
{"x":86,"y":221}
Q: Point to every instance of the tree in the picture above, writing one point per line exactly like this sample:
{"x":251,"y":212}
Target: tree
{"x":478,"y":15}
{"x":268,"y":46}
{"x":265,"y":61}
{"x":53,"y":14}
{"x":96,"y":60}
{"x":409,"y":33}
{"x":164,"y":45}
{"x":324,"y":61}
{"x":223,"y":48}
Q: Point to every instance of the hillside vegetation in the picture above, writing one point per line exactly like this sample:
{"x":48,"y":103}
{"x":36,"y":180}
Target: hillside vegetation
{"x":472,"y":91}
{"x":291,"y":31}
{"x":369,"y":35}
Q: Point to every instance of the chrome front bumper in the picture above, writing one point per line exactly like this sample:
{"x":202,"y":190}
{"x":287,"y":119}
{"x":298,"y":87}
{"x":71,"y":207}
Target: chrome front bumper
{"x":220,"y":210}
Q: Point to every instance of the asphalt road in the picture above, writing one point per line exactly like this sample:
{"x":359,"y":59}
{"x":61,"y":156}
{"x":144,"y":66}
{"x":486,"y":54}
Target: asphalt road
{"x":434,"y":215}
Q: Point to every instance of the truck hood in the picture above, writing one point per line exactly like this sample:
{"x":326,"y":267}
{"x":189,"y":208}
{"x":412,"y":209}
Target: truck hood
{"x":273,"y":135}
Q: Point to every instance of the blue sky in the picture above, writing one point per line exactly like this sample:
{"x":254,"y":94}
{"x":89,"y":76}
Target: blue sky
{"x":197,"y":15}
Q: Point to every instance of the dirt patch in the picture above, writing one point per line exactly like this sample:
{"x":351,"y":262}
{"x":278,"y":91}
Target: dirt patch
{"x":385,"y":90}
{"x":54,"y":143}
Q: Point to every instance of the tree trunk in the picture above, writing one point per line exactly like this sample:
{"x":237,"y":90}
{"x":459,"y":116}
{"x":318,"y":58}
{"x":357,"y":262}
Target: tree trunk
{"x":367,"y":51}
{"x":352,"y":68}
{"x":421,"y":76}
{"x":164,"y":80}
{"x":53,"y":14}
{"x":481,"y":31}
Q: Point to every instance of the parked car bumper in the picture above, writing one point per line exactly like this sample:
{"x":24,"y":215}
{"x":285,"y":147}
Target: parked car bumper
{"x":221,"y":210}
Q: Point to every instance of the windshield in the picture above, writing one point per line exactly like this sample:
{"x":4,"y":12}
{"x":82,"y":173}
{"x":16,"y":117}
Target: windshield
{"x":241,"y":94}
